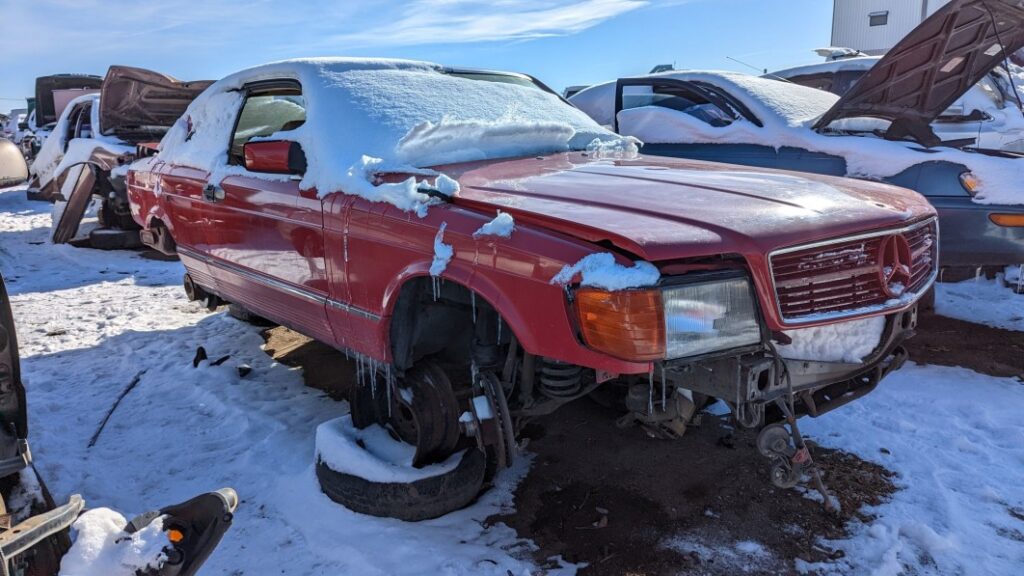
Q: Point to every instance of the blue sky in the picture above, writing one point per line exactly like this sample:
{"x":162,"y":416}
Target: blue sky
{"x":562,"y":42}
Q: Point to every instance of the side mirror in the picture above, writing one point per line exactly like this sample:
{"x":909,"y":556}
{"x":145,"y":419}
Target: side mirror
{"x":275,"y":157}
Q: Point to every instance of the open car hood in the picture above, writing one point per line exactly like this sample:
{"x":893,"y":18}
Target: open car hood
{"x":933,"y":66}
{"x":46,"y":108}
{"x":139,"y":105}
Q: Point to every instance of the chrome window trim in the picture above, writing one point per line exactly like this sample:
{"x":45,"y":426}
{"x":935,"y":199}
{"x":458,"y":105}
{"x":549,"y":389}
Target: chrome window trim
{"x":279,"y":285}
{"x":866,"y":310}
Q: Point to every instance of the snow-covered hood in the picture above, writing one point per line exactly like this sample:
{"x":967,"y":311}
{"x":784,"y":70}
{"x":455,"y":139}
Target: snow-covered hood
{"x":664,"y":208}
{"x":933,"y":66}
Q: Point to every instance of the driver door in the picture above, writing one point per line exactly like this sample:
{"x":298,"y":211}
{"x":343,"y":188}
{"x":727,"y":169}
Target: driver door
{"x":266,"y":235}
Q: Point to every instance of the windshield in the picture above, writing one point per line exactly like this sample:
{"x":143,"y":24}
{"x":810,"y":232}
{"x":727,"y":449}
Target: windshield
{"x":429,"y":117}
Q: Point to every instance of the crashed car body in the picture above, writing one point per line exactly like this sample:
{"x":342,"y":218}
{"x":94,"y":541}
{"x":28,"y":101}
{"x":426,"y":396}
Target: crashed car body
{"x":470,"y":234}
{"x":868,"y":133}
{"x":34,"y":539}
{"x":96,"y":136}
{"x":987,"y":116}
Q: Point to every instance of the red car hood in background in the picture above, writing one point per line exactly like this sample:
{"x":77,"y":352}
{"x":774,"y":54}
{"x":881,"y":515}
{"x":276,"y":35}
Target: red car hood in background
{"x":663,"y":208}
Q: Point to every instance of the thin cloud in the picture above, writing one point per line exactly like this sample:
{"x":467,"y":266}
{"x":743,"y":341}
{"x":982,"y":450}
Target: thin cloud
{"x":462,"y":21}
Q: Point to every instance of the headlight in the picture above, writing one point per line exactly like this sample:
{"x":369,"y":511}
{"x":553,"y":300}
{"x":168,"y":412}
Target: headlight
{"x":671,"y":322}
{"x":708,"y":316}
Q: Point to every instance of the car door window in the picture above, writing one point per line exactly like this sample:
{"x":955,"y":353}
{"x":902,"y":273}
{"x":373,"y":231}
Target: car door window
{"x":678,"y":99}
{"x":267,"y":112}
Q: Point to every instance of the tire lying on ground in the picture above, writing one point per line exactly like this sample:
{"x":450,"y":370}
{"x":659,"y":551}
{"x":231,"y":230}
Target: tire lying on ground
{"x":368,"y":472}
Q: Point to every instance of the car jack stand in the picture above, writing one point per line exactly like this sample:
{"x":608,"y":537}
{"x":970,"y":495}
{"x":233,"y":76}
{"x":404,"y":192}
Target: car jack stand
{"x":790,"y":455}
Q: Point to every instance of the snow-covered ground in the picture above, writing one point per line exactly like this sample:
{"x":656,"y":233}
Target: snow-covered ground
{"x":89,"y":322}
{"x":983,"y":301}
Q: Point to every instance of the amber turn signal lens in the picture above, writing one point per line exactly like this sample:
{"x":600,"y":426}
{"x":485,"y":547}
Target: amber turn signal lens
{"x":970,"y":182}
{"x":626,"y":324}
{"x":1008,"y":220}
{"x":175,"y":536}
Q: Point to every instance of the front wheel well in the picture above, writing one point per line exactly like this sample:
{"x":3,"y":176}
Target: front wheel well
{"x":445,"y":319}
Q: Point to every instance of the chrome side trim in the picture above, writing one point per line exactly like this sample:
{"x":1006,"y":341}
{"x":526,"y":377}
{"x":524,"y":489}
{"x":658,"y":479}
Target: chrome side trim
{"x":279,"y":285}
{"x":353,"y":310}
{"x":865,"y":310}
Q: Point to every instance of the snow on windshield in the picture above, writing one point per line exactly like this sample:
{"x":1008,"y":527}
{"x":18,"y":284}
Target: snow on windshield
{"x":368,"y":117}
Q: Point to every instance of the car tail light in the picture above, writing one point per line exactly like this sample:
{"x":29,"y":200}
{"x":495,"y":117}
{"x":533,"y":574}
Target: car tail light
{"x":1007,"y":220}
{"x":626,"y":324}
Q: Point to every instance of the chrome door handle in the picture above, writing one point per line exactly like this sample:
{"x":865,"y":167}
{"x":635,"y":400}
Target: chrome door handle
{"x":213,"y":193}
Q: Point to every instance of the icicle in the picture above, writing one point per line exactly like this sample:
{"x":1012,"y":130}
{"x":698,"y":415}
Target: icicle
{"x":472,"y":298}
{"x":387,"y":383}
{"x":664,"y":390}
{"x":650,"y":393}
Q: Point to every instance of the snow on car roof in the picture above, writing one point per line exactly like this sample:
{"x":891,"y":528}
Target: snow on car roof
{"x":857,"y":63}
{"x":370,"y":116}
{"x":773,"y":102}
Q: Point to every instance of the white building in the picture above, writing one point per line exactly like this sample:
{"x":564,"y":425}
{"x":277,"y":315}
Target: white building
{"x":875,"y":26}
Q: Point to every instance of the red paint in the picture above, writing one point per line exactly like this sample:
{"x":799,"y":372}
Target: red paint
{"x":664,"y":210}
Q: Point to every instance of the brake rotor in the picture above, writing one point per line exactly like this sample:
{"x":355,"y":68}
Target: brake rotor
{"x":500,"y":422}
{"x":774,"y":441}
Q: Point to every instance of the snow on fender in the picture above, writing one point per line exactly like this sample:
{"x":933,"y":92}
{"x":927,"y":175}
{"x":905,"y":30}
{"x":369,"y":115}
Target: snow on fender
{"x":369,"y":472}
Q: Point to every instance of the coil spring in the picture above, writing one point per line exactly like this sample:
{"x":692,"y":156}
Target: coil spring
{"x":560,"y":380}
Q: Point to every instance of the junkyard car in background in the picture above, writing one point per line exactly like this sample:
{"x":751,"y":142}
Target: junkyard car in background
{"x":489,"y":253}
{"x":987,"y":116}
{"x":34,"y":539}
{"x":879,"y":129}
{"x":52,"y":96}
{"x":92,"y":142}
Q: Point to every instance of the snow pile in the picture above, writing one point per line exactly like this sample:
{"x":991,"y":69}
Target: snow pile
{"x":442,"y":252}
{"x":848,"y":341}
{"x":502,"y":226}
{"x":787,"y":112}
{"x":959,"y":468}
{"x":372,"y":454}
{"x":982,"y":301}
{"x":602,"y":271}
{"x":625,"y":148}
{"x":103,"y":548}
{"x":367,"y":117}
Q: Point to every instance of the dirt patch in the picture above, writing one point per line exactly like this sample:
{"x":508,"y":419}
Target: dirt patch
{"x":950,"y":342}
{"x":323,"y":367}
{"x":626,"y":504}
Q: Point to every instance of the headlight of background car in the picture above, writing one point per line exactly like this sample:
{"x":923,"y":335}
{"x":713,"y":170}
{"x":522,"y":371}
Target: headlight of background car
{"x":671,"y":322}
{"x":708,"y":316}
